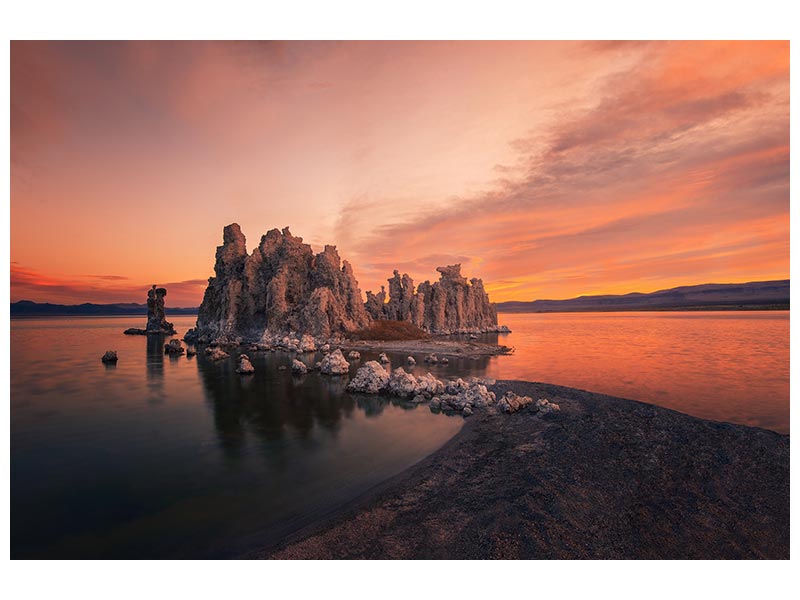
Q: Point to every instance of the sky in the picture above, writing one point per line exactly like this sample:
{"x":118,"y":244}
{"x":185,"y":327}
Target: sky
{"x":548,"y":169}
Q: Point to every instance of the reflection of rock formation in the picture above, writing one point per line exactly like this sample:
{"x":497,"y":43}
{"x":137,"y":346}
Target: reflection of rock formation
{"x":155,"y":367}
{"x":269,"y":401}
{"x":281,"y":287}
{"x":450,"y":305}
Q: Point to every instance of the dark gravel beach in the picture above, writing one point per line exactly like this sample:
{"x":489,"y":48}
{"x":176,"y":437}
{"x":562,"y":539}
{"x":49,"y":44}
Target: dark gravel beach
{"x":604,"y":478}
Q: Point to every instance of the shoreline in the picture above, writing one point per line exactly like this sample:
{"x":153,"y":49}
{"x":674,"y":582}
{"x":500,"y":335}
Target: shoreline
{"x":605,"y":477}
{"x":442,"y":346}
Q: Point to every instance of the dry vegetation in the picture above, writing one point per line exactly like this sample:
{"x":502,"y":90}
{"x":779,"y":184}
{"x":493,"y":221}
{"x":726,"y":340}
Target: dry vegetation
{"x":385,"y":330}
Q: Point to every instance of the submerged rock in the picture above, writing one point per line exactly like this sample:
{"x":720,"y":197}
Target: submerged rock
{"x":431,"y":359}
{"x":298,"y":367}
{"x":216,"y":353}
{"x":334,"y":364}
{"x":173,"y":347}
{"x":245,"y":366}
{"x":371,"y":378}
{"x":135,"y":331}
{"x":110,"y":356}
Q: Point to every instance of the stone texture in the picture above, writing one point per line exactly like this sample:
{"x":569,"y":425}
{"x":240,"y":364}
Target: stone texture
{"x":450,"y":305}
{"x":369,"y":379}
{"x":280,"y":288}
{"x":511,"y":402}
{"x":215,"y":353}
{"x":334,"y":364}
{"x":245,"y":366}
{"x":156,"y":321}
{"x":173,"y":347}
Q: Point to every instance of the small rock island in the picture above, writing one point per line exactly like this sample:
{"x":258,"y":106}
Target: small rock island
{"x":283,"y":290}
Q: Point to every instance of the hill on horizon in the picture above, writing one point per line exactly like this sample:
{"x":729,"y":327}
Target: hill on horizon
{"x":24,"y":308}
{"x":724,"y":296}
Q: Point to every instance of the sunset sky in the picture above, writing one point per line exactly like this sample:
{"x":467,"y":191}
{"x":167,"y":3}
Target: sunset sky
{"x":549,"y":169}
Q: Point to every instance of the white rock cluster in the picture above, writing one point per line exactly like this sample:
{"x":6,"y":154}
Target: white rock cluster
{"x":371,"y":378}
{"x":334,"y":364}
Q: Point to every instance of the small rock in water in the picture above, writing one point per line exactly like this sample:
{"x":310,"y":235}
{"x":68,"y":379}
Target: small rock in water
{"x":354,"y":355}
{"x":173,"y":347}
{"x":190,"y":352}
{"x":383,"y":358}
{"x":401,"y":383}
{"x":110,"y":356}
{"x":411,"y":361}
{"x":369,"y":379}
{"x":334,"y":364}
{"x":431,"y":359}
{"x":216,"y":353}
{"x":325,"y":348}
{"x":245,"y":366}
{"x":298,"y":367}
{"x":135,"y":331}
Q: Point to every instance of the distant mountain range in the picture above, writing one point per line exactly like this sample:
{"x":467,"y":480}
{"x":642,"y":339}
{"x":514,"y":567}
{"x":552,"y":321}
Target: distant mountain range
{"x":26,"y":308}
{"x":710,"y":296}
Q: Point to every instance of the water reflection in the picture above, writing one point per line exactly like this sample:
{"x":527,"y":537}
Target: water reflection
{"x":269,"y":401}
{"x":155,"y":367}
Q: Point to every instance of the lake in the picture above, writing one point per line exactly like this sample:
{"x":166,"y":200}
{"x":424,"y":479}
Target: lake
{"x":177,"y":457}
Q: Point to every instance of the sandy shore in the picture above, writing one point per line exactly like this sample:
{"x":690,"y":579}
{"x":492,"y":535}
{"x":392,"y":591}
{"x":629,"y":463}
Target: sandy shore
{"x":439,"y":346}
{"x":604,"y":478}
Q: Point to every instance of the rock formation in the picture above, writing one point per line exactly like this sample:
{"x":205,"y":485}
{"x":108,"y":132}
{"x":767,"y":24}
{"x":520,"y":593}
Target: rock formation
{"x":282,"y":287}
{"x":110,"y":356}
{"x":334,"y":364}
{"x":450,"y":305}
{"x":245,"y":366}
{"x":173,"y":347}
{"x":156,"y":320}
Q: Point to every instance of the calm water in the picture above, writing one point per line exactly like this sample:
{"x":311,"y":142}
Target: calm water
{"x":182,"y":457}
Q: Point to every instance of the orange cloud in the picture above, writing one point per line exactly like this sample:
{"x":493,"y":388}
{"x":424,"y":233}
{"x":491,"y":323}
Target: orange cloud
{"x":550,"y":169}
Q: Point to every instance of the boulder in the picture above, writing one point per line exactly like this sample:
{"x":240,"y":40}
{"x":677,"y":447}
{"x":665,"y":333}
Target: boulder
{"x":334,"y":364}
{"x":173,"y":347}
{"x":411,"y":362}
{"x":401,"y":383}
{"x":245,"y":366}
{"x":110,"y":356}
{"x":545,"y":407}
{"x":353,"y":355}
{"x":371,"y":378}
{"x":298,"y":367}
{"x":383,"y":358}
{"x":511,"y":402}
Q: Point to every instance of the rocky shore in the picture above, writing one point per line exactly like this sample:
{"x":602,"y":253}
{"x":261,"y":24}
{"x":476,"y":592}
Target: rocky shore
{"x":600,"y":477}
